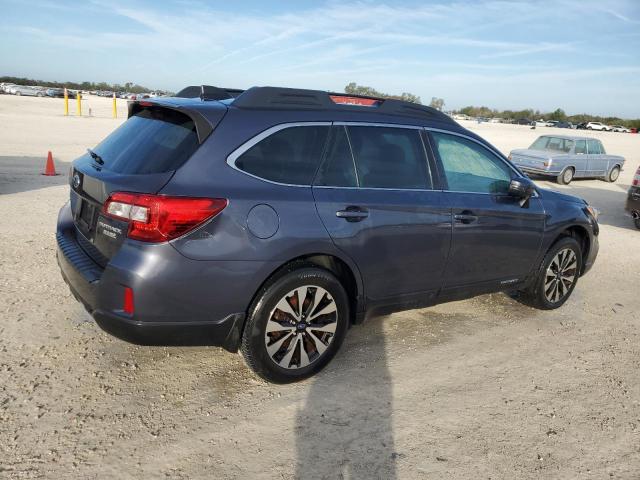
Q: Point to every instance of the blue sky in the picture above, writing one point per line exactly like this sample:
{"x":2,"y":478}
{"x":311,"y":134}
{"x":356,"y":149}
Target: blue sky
{"x":579,"y":55}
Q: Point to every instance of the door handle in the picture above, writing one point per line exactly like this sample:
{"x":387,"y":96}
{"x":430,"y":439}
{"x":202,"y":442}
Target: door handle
{"x":465,"y":218}
{"x":353,"y":214}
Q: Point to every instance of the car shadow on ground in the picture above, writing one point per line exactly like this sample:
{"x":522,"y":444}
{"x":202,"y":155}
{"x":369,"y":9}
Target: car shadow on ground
{"x":609,"y":201}
{"x":22,"y":174}
{"x":344,"y":429}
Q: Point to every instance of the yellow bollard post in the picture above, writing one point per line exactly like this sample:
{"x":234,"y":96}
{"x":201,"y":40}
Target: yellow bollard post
{"x":66,"y":102}
{"x":115,"y":110}
{"x":79,"y":109}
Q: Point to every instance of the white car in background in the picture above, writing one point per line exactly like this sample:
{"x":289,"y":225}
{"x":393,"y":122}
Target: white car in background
{"x":620,"y":128}
{"x":597,"y":126}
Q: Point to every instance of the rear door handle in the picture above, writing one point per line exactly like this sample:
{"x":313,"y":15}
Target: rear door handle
{"x":353,"y":214}
{"x":465,"y":218}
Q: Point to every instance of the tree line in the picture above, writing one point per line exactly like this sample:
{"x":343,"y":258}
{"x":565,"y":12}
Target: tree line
{"x":557,"y":114}
{"x":354,"y":89}
{"x":115,"y":87}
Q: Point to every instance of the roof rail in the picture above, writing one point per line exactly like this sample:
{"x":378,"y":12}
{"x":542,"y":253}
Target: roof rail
{"x":207,"y":92}
{"x":276,"y":98}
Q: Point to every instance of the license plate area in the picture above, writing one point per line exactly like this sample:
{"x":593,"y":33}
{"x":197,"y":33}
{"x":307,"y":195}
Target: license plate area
{"x":86,"y":218}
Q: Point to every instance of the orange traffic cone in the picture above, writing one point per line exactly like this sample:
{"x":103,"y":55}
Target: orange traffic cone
{"x":50,"y":168}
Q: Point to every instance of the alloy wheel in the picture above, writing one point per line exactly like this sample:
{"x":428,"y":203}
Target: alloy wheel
{"x":301,"y":327}
{"x":560,"y":275}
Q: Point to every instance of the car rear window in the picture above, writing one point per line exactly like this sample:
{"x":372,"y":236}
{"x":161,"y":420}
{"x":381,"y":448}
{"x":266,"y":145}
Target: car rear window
{"x":289,"y":156}
{"x":154,"y":140}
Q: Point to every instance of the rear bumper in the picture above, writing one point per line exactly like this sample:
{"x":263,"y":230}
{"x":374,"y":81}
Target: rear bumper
{"x":177,"y":301}
{"x":538,"y":171}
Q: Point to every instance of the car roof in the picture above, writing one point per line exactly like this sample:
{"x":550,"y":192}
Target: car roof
{"x":570,"y":137}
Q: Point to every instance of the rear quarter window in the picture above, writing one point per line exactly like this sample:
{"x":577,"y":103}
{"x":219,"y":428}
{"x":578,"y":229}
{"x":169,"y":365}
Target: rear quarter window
{"x":154,"y":140}
{"x":290,"y":156}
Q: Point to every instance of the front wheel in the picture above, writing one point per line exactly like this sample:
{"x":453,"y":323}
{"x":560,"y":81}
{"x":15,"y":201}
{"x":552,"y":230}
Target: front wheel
{"x":557,"y":276}
{"x":296,"y":325}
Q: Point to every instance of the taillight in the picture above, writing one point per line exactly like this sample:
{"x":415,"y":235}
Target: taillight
{"x":159,"y":218}
{"x":636,"y":178}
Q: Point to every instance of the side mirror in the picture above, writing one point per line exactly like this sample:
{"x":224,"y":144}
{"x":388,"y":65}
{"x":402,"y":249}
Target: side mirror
{"x":521,"y":188}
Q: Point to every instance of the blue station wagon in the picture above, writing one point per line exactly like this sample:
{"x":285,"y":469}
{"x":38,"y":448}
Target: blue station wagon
{"x":271,"y":220}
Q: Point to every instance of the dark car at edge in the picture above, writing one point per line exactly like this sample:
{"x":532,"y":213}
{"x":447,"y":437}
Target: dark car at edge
{"x":271,"y":220}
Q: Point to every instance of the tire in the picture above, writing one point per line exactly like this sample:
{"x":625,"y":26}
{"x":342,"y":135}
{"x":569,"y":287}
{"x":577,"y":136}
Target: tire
{"x":291,"y":351}
{"x":613,"y":174}
{"x":39,"y":95}
{"x":589,"y":128}
{"x":551,"y":288}
{"x":18,"y":94}
{"x":566,"y":176}
{"x":637,"y":222}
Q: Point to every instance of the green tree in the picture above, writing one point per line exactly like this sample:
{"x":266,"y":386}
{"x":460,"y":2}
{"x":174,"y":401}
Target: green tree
{"x":437,"y":103}
{"x":558,"y":115}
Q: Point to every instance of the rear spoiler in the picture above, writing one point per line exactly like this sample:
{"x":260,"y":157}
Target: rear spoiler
{"x":203,"y":126}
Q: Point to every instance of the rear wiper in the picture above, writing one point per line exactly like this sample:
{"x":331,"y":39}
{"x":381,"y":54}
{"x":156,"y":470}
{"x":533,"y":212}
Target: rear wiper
{"x":95,"y":156}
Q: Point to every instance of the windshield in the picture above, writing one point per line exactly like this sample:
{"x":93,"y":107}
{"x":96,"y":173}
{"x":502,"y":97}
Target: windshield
{"x":154,"y":140}
{"x":556,"y":144}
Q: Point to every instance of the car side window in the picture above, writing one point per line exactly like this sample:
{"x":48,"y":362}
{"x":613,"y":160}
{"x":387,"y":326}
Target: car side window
{"x":593,"y":147}
{"x":601,"y":147}
{"x":338,"y":169}
{"x":470,"y":167}
{"x":290,"y":155}
{"x":581,"y":146}
{"x":388,"y":157}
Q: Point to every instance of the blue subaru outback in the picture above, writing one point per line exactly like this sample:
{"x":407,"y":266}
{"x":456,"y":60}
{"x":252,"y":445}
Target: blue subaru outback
{"x":270,"y":220}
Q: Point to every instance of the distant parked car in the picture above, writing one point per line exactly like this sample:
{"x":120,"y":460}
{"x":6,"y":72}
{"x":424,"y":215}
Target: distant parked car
{"x":596,"y":126}
{"x":620,"y":128}
{"x":6,"y":88}
{"x":543,"y":123}
{"x":523,"y":121}
{"x":27,"y":91}
{"x":54,"y":92}
{"x":563,"y":125}
{"x":633,"y":199}
{"x":566,"y":157}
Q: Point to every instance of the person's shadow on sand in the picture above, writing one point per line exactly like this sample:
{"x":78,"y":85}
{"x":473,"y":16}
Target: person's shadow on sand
{"x":344,"y":430}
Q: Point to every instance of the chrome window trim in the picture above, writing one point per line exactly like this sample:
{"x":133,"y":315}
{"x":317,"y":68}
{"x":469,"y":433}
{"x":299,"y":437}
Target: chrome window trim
{"x":233,"y":156}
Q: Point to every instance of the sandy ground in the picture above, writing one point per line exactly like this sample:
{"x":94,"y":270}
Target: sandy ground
{"x":484,"y":388}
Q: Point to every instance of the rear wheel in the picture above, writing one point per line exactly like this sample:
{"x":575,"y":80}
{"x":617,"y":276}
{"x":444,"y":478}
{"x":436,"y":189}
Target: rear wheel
{"x":557,"y":276}
{"x":613,"y":174}
{"x":296,"y":325}
{"x":637,"y":222}
{"x":566,"y":176}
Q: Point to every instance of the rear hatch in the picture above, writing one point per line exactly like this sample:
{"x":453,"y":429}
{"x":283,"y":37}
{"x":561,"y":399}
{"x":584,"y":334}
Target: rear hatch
{"x":140,"y":156}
